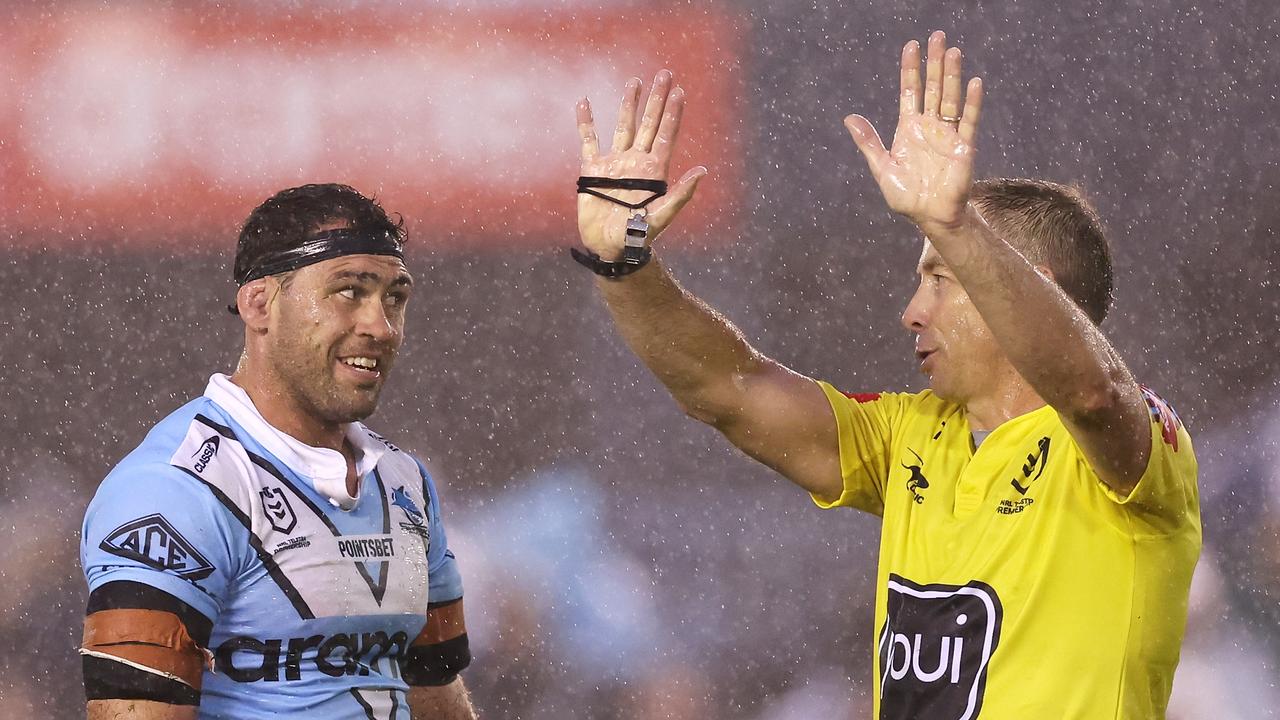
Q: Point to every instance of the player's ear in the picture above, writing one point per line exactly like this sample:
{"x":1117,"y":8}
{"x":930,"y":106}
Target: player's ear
{"x":253,"y":300}
{"x":1045,"y":271}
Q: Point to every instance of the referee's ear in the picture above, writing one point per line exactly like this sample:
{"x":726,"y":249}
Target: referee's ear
{"x":253,"y":300}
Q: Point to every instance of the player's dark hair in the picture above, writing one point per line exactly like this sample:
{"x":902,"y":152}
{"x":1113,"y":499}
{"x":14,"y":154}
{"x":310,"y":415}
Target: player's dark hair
{"x":290,"y":217}
{"x":1055,"y":226}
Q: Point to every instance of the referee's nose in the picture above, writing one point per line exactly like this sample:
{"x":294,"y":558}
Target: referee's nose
{"x":915,"y":317}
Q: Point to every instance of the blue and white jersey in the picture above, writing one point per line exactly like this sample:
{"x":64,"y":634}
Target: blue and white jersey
{"x":314,"y":595}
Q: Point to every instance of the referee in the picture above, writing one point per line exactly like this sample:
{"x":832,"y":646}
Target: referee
{"x":1040,"y":510}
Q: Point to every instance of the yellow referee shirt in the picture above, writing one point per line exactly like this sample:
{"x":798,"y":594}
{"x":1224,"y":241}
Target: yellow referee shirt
{"x":1012,"y":583}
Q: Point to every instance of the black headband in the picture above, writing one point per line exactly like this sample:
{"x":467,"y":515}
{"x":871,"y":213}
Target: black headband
{"x":325,"y":246}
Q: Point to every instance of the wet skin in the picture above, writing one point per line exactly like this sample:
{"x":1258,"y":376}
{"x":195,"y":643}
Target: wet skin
{"x":326,"y":341}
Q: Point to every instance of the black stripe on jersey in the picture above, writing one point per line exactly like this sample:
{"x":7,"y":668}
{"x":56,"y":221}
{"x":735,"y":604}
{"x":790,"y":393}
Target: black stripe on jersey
{"x":291,"y":592}
{"x":368,"y":709}
{"x":129,"y":595}
{"x":275,"y":472}
{"x":379,"y":588}
{"x":223,"y":430}
{"x":110,"y":680}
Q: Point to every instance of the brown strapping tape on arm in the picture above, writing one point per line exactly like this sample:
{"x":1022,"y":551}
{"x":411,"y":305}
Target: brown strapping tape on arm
{"x":154,"y":639}
{"x":443,"y":623}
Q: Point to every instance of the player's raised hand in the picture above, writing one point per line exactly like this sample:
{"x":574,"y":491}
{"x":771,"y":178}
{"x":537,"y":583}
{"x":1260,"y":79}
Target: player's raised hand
{"x":927,"y":173}
{"x":642,"y":152}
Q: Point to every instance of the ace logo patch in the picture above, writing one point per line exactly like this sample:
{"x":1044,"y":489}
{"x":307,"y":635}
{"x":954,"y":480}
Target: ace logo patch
{"x":935,"y":648}
{"x":153,"y":541}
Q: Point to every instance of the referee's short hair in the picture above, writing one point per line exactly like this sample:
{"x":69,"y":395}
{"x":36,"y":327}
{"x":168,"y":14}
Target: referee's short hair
{"x":1055,"y":226}
{"x":290,"y":217}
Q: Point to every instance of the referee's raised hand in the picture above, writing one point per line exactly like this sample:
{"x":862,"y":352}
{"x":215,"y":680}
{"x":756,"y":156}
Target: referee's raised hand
{"x":639,"y":152}
{"x":927,"y":173}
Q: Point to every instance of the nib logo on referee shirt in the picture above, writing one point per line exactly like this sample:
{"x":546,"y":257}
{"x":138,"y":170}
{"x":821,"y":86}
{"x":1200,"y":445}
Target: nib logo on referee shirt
{"x":935,"y":648}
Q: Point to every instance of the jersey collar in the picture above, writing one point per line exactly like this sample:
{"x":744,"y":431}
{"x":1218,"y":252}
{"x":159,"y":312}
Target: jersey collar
{"x":325,"y":469}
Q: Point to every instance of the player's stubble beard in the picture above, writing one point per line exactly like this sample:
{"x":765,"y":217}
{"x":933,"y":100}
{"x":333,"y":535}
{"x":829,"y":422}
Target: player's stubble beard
{"x":305,"y":364}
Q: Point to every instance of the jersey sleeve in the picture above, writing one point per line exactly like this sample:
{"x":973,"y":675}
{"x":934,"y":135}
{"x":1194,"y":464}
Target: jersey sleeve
{"x":152,"y":524}
{"x":864,"y":423}
{"x":1166,"y":497}
{"x":442,"y":566}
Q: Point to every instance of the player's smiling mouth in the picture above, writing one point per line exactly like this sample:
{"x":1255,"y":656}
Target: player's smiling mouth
{"x":367,"y":367}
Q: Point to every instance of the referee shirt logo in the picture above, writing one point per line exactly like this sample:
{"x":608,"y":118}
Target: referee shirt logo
{"x":935,"y":648}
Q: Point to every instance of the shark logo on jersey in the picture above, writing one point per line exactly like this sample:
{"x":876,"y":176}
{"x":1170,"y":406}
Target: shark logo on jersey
{"x":400,"y":498}
{"x":151,"y":540}
{"x":935,"y":647}
{"x":279,"y":512}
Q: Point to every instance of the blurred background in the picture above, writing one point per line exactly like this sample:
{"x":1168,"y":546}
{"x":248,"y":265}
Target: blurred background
{"x":621,"y":560}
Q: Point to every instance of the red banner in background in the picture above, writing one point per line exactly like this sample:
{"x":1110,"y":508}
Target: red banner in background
{"x":166,"y":125}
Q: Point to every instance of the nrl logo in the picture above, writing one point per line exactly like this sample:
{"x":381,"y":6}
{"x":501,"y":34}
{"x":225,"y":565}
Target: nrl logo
{"x":278,"y":510}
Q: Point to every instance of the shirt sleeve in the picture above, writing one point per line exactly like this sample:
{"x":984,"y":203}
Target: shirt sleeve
{"x":442,"y":566}
{"x":153,"y":525}
{"x":1166,"y":497}
{"x":864,"y":423}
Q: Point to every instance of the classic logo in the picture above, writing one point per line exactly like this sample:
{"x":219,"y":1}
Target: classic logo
{"x":151,"y":540}
{"x":934,"y":649}
{"x":278,"y":510}
{"x":917,"y":480}
{"x":206,"y":452}
{"x":400,"y":498}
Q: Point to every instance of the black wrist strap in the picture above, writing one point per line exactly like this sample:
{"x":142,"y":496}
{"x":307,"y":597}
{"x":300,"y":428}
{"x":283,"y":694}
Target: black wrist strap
{"x":587,"y":184}
{"x":635,"y":253}
{"x":612,"y":270}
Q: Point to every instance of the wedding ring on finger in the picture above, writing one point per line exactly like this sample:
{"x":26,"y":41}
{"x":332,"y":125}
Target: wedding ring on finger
{"x":947,"y":118}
